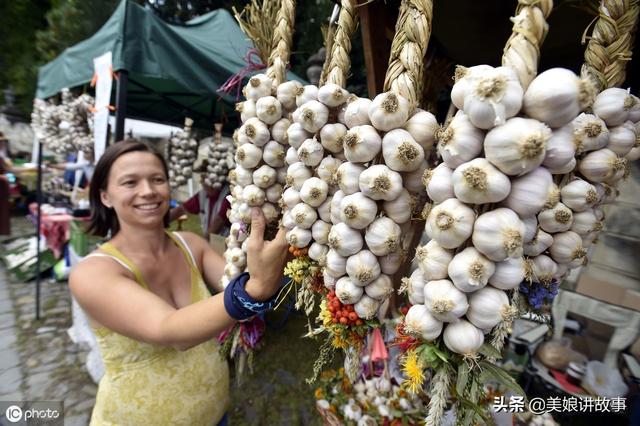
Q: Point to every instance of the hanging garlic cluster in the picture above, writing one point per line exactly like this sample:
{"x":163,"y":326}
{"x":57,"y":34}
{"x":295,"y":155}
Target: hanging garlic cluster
{"x":498,"y":217}
{"x":219,"y":162}
{"x":182,"y":153}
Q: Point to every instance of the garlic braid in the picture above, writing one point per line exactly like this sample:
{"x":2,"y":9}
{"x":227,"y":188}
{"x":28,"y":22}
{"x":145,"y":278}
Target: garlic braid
{"x":406,"y":65}
{"x":340,"y":64}
{"x":282,"y":35}
{"x":522,"y":50}
{"x":611,"y":43}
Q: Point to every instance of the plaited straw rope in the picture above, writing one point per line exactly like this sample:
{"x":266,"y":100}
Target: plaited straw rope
{"x":611,"y":44}
{"x":340,"y":64}
{"x":522,"y":50}
{"x":328,"y":45}
{"x":282,"y":35}
{"x":413,"y":29}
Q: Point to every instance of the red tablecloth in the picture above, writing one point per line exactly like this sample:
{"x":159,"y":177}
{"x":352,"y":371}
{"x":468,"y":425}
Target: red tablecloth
{"x":55,"y":228}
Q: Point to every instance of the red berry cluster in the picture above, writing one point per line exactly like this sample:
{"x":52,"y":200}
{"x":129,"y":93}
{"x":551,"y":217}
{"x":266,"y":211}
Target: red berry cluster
{"x":342,"y":314}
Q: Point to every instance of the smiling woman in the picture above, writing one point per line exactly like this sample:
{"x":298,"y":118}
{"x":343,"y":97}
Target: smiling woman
{"x":145,"y":295}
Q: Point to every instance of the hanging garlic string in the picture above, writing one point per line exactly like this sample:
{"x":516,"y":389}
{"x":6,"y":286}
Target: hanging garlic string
{"x":340,"y":64}
{"x":282,"y":35}
{"x":611,"y":44}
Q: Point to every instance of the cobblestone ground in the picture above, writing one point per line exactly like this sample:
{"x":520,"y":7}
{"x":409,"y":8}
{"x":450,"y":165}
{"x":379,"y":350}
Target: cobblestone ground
{"x":38,"y":360}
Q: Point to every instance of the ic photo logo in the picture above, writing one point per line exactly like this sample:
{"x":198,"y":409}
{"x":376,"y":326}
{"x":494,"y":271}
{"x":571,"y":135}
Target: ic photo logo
{"x":37,"y":411}
{"x":13,"y":413}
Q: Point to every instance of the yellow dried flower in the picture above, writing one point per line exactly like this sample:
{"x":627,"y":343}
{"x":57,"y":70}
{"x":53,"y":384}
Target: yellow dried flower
{"x":413,"y":370}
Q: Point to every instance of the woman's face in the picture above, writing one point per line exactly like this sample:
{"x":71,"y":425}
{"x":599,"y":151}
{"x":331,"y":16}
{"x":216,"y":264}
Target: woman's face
{"x":137,"y":189}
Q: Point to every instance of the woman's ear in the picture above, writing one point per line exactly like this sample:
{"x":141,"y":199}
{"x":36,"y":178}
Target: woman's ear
{"x":104,"y":197}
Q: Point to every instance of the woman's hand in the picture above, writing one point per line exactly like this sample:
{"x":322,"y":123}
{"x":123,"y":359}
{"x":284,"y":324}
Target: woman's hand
{"x":265,"y":259}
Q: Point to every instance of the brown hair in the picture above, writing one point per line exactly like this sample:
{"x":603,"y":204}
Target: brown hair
{"x":104,"y":219}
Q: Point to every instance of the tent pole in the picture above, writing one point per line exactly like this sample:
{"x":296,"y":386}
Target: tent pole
{"x":38,"y":223}
{"x":121,"y":103}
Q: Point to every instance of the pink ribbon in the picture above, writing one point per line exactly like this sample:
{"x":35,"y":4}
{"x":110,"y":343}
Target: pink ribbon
{"x":254,"y":63}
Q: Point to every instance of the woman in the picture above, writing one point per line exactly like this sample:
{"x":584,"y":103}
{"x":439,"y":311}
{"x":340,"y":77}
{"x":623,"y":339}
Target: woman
{"x":144,"y":292}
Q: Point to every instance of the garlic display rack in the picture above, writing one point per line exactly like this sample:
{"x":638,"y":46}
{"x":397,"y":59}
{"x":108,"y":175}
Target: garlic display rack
{"x":66,"y":127}
{"x":182,"y":152}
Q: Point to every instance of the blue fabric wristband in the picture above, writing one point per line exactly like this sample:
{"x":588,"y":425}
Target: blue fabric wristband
{"x":239,"y":304}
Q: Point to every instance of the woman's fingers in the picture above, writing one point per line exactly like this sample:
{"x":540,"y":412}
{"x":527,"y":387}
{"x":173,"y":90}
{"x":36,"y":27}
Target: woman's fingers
{"x":256,"y":238}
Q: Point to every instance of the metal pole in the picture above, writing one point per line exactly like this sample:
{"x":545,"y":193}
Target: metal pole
{"x":121,"y":104}
{"x":38,"y":222}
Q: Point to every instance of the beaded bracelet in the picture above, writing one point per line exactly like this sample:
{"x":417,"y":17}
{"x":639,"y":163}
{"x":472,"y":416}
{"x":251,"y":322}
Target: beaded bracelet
{"x":239,"y":304}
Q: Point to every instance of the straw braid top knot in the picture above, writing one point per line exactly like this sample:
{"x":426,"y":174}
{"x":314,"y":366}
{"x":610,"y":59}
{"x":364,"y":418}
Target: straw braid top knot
{"x":611,"y":43}
{"x":340,"y":64}
{"x":282,"y":34}
{"x":413,"y":29}
{"x":522,"y":50}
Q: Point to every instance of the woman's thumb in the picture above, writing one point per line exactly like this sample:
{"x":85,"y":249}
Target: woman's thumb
{"x":257,"y":226}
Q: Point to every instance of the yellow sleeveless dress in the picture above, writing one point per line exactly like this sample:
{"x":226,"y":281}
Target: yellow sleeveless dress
{"x":146,"y":384}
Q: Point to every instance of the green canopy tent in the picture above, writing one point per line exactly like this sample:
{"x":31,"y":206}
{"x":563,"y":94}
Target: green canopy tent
{"x":165,"y":71}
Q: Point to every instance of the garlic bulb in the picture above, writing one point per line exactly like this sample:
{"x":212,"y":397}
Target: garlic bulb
{"x":412,"y":181}
{"x":329,"y":281}
{"x":259,"y":86}
{"x":553,"y":197}
{"x":344,"y":240}
{"x":247,"y":109}
{"x":332,"y":95}
{"x":560,"y":148}
{"x":241,"y":176}
{"x":444,"y":301}
{"x":324,"y":209}
{"x":236,"y":257}
{"x":613,"y":105}
{"x":543,"y":269}
{"x":518,"y":146}
{"x":439,"y":183}
{"x":401,"y":152}
{"x":334,"y":210}
{"x":567,"y":248}
{"x":348,"y":177}
{"x":366,"y":307}
{"x":601,"y":165}
{"x":286,"y":94}
{"x":450,"y":223}
{"x":579,"y":195}
{"x":357,"y":210}
{"x":304,"y":215}
{"x":378,"y":182}
{"x":311,"y":152}
{"x":363,"y":267}
{"x":297,"y":174}
{"x":498,"y":234}
{"x":538,"y":244}
{"x":509,"y":273}
{"x":274,"y":154}
{"x":469,"y":270}
{"x":388,"y":111}
{"x":585,"y":223}
{"x":248,"y":156}
{"x":464,"y":79}
{"x":529,"y":192}
{"x":268,"y":109}
{"x":290,"y":197}
{"x":253,"y":195}
{"x":327,"y":170}
{"x":415,"y":287}
{"x":556,"y":219}
{"x":400,"y":209}
{"x":589,"y":133}
{"x":320,"y":231}
{"x":332,"y":136}
{"x":264,"y":176}
{"x":622,"y":138}
{"x":380,"y":288}
{"x":270,"y":212}
{"x":383,"y":236}
{"x":314,"y":191}
{"x":357,"y":112}
{"x":361,"y":144}
{"x":557,"y":96}
{"x":433,"y":260}
{"x":460,"y":141}
{"x":254,"y":131}
{"x":296,"y":135}
{"x":463,"y":338}
{"x":421,"y":324}
{"x":347,"y":291}
{"x":488,"y":307}
{"x":318,"y":252}
{"x":634,"y":154}
{"x":390,"y":263}
{"x":298,"y":237}
{"x":530,"y":228}
{"x":422,"y":127}
{"x":478,"y":182}
{"x":336,"y":265}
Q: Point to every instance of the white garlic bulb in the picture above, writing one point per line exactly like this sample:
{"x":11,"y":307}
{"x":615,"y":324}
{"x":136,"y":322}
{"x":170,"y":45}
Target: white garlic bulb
{"x":357,"y":210}
{"x":348,"y":177}
{"x":318,"y":252}
{"x":556,"y":219}
{"x":460,"y":141}
{"x":248,"y":156}
{"x":304,"y":215}
{"x":357,"y":112}
{"x":314,"y":191}
{"x":253,"y":195}
{"x":439,"y":183}
{"x":311,"y":152}
{"x":565,"y":168}
{"x":557,"y":96}
{"x":567,"y":248}
{"x":268,"y":109}
{"x":247,"y":109}
{"x":241,"y":176}
{"x":298,"y":237}
{"x":579,"y":195}
{"x":286,"y":94}
{"x":444,"y":300}
{"x":412,"y":181}
{"x":469,"y":270}
{"x":388,"y":111}
{"x":622,"y":138}
{"x":334,"y":210}
{"x":236,"y":257}
{"x":401,"y":152}
{"x":498,"y":234}
{"x":344,"y":240}
{"x":538,"y":244}
{"x":463,"y":338}
{"x":479,"y":182}
{"x":379,"y":182}
{"x":332,"y":136}
{"x":586,"y":222}
{"x":320,"y":231}
{"x":290,"y":197}
{"x":336,"y":265}
{"x":518,"y":146}
{"x":259,"y":86}
{"x":560,"y":148}
{"x":421,"y":324}
{"x":415,"y":287}
{"x":400,"y":209}
{"x":433,"y":260}
{"x":297,"y":174}
{"x":601,"y":165}
{"x":264,"y":176}
{"x":327,"y":169}
{"x":543,"y":269}
{"x":529,"y":192}
{"x":589,"y":132}
{"x":383,"y":236}
{"x":613,"y":105}
{"x":422,"y":126}
{"x":450,"y":223}
{"x":488,"y":307}
{"x":332,"y":95}
{"x":254,"y":131}
{"x":390,"y":263}
{"x":366,"y":307}
{"x":380,"y":288}
{"x":347,"y":291}
{"x":361,"y":144}
{"x":296,"y":135}
{"x":274,"y":154}
{"x":363,"y":267}
{"x":324,"y":209}
{"x":270,"y":212}
{"x":530,"y":228}
{"x":509,"y":273}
